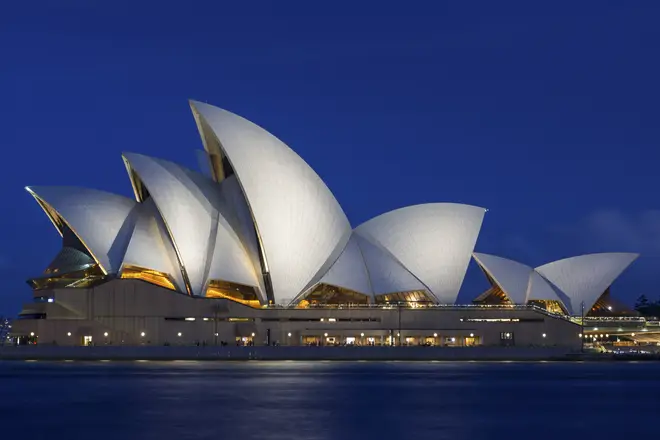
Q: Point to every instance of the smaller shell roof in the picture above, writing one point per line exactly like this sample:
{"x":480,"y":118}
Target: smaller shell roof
{"x":102,"y":221}
{"x":574,"y":281}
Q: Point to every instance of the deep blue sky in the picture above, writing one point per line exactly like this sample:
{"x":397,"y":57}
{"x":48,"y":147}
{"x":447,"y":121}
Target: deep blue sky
{"x":545,"y":114}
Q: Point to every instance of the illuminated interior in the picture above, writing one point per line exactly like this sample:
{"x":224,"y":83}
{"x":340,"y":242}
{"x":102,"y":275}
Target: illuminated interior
{"x":327,"y":294}
{"x":236,"y":292}
{"x":551,"y":305}
{"x":151,"y":276}
{"x":413,"y":298}
{"x":86,"y":277}
{"x":63,"y":227}
{"x":494,"y":295}
{"x":605,"y":305}
{"x":73,"y":266}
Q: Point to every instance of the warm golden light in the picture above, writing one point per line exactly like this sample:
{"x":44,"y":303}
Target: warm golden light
{"x":234,"y":292}
{"x":150,"y":276}
{"x":327,"y":294}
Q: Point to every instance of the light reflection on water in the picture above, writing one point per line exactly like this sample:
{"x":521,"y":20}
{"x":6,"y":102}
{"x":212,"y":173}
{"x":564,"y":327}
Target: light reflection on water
{"x":327,"y":400}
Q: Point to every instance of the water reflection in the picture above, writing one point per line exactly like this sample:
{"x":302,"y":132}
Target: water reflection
{"x":327,"y":400}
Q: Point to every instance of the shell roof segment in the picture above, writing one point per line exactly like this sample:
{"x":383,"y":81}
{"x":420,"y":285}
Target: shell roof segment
{"x":299,"y":223}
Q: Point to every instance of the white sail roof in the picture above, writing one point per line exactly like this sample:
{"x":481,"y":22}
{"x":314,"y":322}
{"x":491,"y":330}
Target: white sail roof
{"x":190,"y":205}
{"x":150,"y":246}
{"x":100,"y":220}
{"x":433,"y":241}
{"x":586,"y":277}
{"x":300,"y":225}
{"x":512,"y":277}
{"x":385,"y":273}
{"x":349,"y":270}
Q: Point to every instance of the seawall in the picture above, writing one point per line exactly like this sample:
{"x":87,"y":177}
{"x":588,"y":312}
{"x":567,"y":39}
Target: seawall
{"x":288,"y":353}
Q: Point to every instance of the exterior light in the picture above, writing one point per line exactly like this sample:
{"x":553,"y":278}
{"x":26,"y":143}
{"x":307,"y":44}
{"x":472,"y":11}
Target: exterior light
{"x":105,"y":334}
{"x":253,"y":335}
{"x":601,"y":335}
{"x":206,"y":319}
{"x":362,"y":335}
{"x":31,"y":333}
{"x":595,"y":329}
{"x":435,"y":335}
{"x":544,"y":335}
{"x":453,"y":339}
{"x":289,"y":334}
{"x":325,"y":334}
{"x":190,"y":319}
{"x":632,"y":334}
{"x":216,"y":334}
{"x":580,"y":335}
{"x":50,"y":300}
{"x":398,"y":334}
{"x":472,"y":335}
{"x":607,"y":336}
{"x":68,"y":334}
{"x":609,"y":308}
{"x":142,"y":334}
{"x":179,"y":334}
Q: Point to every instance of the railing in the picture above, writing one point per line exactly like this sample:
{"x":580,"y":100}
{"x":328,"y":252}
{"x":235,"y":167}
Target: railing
{"x":615,"y":318}
{"x":409,"y":306}
{"x":416,"y":306}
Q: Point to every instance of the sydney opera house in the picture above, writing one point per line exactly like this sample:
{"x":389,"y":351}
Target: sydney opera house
{"x":255,"y":249}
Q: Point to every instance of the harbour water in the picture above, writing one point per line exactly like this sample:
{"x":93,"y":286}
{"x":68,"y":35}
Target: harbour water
{"x":328,"y":400}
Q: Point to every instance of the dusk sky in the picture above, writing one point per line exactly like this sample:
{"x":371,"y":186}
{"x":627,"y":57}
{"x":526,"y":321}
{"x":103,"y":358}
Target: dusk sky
{"x":547,"y":115}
